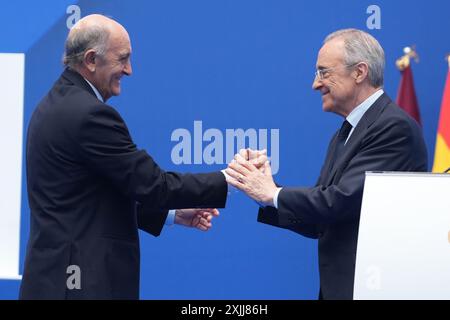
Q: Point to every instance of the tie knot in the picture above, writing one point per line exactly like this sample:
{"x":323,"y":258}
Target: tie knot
{"x":345,"y":130}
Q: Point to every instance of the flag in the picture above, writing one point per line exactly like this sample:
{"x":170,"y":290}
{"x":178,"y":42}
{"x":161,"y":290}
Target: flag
{"x":442,"y":150}
{"x":406,"y":97}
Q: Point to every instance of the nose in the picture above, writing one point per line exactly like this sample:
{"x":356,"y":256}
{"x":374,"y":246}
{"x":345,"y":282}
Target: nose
{"x":128,"y":70}
{"x":317,"y":84}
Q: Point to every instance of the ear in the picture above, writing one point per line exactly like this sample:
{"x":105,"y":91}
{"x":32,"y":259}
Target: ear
{"x":361,"y":72}
{"x":89,"y":60}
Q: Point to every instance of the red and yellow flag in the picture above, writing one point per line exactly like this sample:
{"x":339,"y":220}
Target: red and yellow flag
{"x":442,"y":150}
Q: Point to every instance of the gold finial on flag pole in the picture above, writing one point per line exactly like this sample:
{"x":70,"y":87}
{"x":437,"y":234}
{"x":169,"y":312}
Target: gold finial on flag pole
{"x":409,"y":52}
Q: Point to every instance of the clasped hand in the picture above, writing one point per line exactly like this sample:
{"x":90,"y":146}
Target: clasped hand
{"x":251,"y":173}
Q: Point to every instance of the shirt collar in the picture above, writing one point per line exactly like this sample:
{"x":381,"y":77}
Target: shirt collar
{"x":355,"y":116}
{"x":97,"y":93}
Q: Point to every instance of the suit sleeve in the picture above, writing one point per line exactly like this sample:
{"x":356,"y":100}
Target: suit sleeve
{"x":107,"y":149}
{"x":270,"y":216}
{"x":151,"y":221}
{"x":394,"y":145}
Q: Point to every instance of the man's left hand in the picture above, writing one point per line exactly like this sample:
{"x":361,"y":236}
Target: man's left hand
{"x":196,"y":218}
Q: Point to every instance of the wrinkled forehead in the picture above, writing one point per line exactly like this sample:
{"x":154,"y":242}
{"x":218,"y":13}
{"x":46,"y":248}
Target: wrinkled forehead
{"x":331,"y":54}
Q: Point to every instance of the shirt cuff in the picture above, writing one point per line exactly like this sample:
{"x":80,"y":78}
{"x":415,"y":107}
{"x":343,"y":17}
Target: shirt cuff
{"x":275,"y":198}
{"x":231,"y":189}
{"x":170,"y":220}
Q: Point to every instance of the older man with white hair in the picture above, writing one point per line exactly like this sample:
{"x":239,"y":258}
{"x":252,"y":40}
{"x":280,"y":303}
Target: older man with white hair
{"x":376,"y":135}
{"x":89,"y":187}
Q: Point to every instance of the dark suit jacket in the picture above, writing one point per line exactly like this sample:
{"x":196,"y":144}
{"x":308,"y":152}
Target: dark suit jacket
{"x":85,"y":179}
{"x":385,"y":139}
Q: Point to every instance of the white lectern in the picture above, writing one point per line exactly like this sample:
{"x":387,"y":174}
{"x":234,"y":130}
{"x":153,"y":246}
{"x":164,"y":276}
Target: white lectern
{"x":404,"y":237}
{"x":11,"y":129}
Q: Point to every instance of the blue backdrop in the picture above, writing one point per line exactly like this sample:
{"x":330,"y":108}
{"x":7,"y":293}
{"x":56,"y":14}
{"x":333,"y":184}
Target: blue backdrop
{"x":229,"y":65}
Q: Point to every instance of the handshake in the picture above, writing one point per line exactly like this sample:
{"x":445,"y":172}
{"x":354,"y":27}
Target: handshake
{"x":249,"y":172}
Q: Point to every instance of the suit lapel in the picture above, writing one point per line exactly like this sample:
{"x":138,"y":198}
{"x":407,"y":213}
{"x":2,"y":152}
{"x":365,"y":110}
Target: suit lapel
{"x":326,"y":167}
{"x":354,"y":141}
{"x":331,"y":151}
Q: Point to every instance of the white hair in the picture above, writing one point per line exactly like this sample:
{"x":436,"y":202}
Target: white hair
{"x":79,"y":41}
{"x":362,"y":47}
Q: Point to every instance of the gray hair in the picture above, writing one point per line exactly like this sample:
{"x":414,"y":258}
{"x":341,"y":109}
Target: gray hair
{"x":79,"y":41}
{"x":362,"y":47}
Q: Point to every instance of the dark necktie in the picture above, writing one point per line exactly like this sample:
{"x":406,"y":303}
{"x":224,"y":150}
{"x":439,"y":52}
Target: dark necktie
{"x":340,"y":141}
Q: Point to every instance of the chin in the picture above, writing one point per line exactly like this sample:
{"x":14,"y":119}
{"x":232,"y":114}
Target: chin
{"x":116,"y":92}
{"x":327,"y":108}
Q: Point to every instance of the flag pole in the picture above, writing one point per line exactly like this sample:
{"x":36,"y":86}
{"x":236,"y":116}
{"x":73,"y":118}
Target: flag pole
{"x":404,"y":61}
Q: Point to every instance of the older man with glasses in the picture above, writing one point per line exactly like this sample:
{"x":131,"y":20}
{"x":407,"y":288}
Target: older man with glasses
{"x":376,"y":135}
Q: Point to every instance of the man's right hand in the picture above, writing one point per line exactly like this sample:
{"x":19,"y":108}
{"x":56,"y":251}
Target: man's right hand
{"x":256,"y":157}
